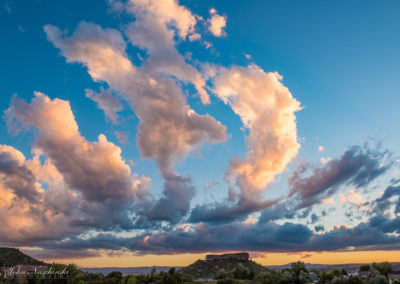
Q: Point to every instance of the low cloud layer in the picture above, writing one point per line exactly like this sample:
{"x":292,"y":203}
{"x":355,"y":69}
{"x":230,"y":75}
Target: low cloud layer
{"x":375,"y":234}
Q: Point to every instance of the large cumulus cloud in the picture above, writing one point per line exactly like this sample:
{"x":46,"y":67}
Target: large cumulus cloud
{"x":267,"y":109}
{"x":88,"y":184}
{"x":168,"y":129}
{"x":95,"y":169}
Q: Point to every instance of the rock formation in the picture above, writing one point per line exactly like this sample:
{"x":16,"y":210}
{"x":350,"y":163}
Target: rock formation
{"x":237,"y":256}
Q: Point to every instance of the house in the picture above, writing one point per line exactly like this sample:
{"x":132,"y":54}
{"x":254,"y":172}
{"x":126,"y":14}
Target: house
{"x":314,"y":277}
{"x":366,"y":275}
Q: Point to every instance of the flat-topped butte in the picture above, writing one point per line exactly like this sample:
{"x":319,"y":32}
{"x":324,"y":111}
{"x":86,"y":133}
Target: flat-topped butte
{"x":238,"y":256}
{"x":227,"y":263}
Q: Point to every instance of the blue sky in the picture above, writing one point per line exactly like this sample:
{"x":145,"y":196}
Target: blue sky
{"x":339,"y":60}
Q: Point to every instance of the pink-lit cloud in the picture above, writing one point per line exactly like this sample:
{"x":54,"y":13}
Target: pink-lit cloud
{"x":267,"y":109}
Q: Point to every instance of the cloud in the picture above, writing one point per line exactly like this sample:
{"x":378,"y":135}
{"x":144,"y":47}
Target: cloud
{"x":7,"y":7}
{"x":324,"y":160}
{"x":152,"y":33}
{"x":107,"y":102}
{"x":276,"y":212}
{"x":122,"y":136}
{"x":168,"y":128}
{"x":352,"y":197}
{"x":201,"y":238}
{"x":224,"y":212}
{"x":89,"y":184}
{"x":328,"y":200}
{"x":194,"y":37}
{"x":358,"y":166}
{"x":175,"y":203}
{"x":390,"y":197}
{"x":102,"y":51}
{"x":168,"y":12}
{"x":16,"y":176}
{"x":216,"y":23}
{"x":47,"y":254}
{"x":96,"y":169}
{"x":267,"y":109}
{"x":26,"y":213}
{"x":375,"y":234}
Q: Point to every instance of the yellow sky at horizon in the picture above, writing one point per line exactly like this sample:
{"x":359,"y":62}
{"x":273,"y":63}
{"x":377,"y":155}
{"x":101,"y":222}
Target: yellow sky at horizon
{"x":128,"y":260}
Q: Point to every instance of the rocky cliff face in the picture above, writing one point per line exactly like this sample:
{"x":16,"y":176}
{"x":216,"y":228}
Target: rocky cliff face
{"x":237,"y":256}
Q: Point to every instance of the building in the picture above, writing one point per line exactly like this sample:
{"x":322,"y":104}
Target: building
{"x":366,"y":275}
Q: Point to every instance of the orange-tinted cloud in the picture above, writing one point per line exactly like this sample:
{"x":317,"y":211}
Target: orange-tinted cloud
{"x":267,"y":109}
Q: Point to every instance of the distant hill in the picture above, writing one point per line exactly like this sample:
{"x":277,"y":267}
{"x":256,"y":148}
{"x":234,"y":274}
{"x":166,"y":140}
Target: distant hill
{"x":329,"y":267}
{"x":11,"y":257}
{"x":208,"y":269}
{"x":127,"y":270}
{"x":147,"y":269}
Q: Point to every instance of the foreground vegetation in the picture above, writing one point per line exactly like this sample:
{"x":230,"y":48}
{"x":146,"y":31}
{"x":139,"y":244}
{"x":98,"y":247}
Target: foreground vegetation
{"x":377,"y":273}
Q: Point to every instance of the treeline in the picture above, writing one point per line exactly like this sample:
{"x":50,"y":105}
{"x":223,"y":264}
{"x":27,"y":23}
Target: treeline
{"x":377,"y":273}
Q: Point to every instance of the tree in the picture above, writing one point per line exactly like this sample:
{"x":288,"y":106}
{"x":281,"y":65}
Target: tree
{"x":241,"y":272}
{"x":221,"y":274}
{"x":287,"y":276}
{"x":353,"y":280}
{"x":337,"y":280}
{"x":380,"y":279}
{"x":297,"y":267}
{"x":132,"y":280}
{"x":115,"y":274}
{"x":271,"y":277}
{"x":365,"y":267}
{"x":227,"y":281}
{"x":325,"y":277}
{"x":304,"y":277}
{"x":336,"y":272}
{"x":384,"y":268}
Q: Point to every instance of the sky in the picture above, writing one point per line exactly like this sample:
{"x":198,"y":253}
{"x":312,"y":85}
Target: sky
{"x":147,"y":132}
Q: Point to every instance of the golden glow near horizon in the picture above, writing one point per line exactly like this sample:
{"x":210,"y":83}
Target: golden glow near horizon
{"x":262,"y":258}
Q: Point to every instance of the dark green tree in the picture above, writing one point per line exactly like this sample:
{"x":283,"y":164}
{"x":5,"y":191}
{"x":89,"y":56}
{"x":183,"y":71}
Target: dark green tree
{"x":114,"y":277}
{"x":384,"y":268}
{"x":297,"y":268}
{"x":365,"y":267}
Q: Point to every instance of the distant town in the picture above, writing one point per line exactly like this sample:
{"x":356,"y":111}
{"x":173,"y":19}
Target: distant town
{"x":17,"y":267}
